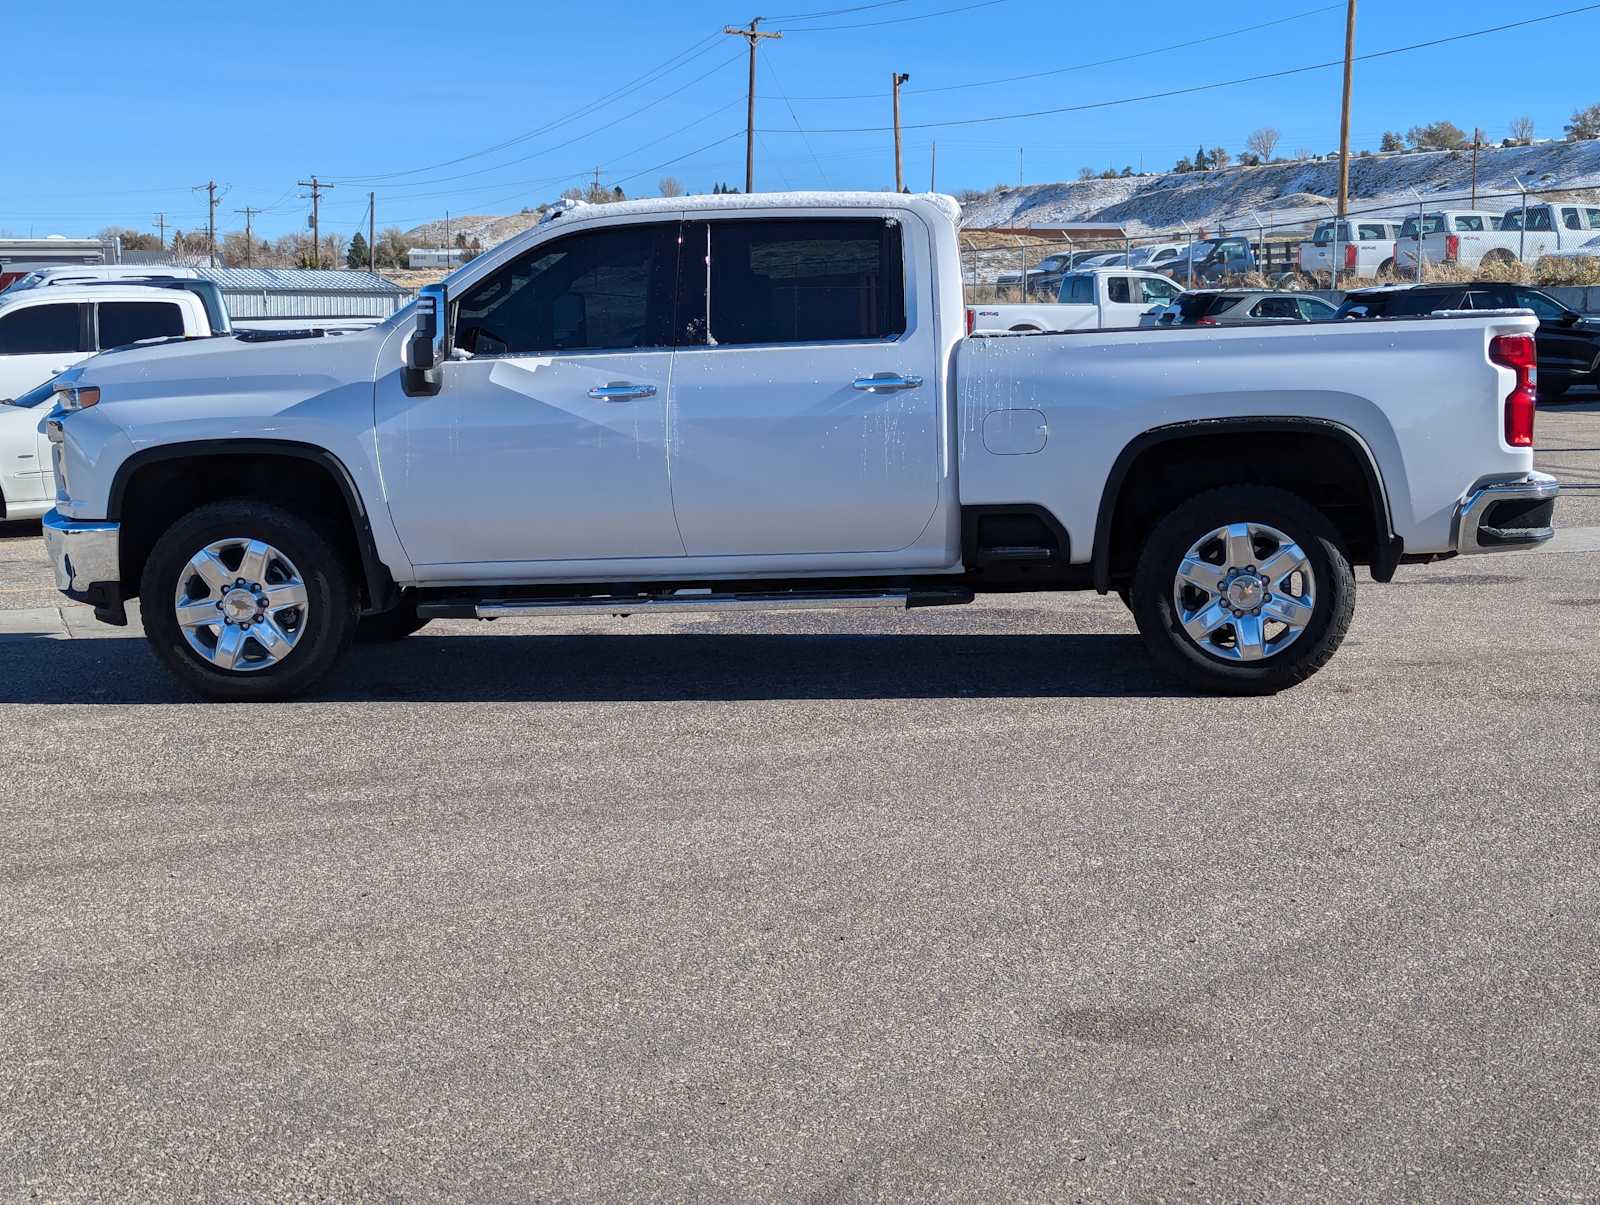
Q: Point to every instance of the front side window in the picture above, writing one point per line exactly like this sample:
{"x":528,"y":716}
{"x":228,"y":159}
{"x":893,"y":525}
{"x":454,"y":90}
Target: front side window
{"x":1157,"y":291}
{"x":1594,"y":218}
{"x":125,"y":322}
{"x":1314,"y":309}
{"x":820,"y":280}
{"x":40,"y":329}
{"x":595,"y":289}
{"x":1546,"y":309}
{"x":1571,"y":220}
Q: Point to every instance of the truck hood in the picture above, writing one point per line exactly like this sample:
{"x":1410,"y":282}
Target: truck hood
{"x":223,"y":370}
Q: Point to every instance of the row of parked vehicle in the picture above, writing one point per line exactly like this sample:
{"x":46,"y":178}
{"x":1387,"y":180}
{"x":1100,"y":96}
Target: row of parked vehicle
{"x":1111,"y":298}
{"x":1467,"y":238}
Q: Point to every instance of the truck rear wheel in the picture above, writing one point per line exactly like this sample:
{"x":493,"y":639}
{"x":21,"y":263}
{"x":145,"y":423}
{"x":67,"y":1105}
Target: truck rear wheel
{"x":246,"y":602}
{"x":1243,"y":590}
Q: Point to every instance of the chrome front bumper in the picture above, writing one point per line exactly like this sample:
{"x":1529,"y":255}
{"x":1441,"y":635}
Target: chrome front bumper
{"x":1503,"y":516}
{"x":85,"y":556}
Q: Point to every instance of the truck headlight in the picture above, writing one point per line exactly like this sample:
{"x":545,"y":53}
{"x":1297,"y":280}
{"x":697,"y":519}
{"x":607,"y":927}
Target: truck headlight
{"x":71,"y":396}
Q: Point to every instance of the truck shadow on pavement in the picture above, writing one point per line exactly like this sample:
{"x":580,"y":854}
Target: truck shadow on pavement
{"x":684,"y":667}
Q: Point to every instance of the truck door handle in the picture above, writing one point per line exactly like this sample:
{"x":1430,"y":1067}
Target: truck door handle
{"x":621,"y":391}
{"x":885,"y":382}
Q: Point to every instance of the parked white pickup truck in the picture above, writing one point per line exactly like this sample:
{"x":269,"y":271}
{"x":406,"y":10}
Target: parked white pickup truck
{"x":1362,"y":247}
{"x":1523,"y":235}
{"x":1443,"y":232}
{"x":768,"y":401}
{"x":1088,"y":299}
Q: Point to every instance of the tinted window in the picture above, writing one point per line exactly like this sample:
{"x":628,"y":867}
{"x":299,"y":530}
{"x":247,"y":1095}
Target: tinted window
{"x":1314,"y":309}
{"x":1594,"y":218}
{"x":1538,"y":219}
{"x":1470,"y":221}
{"x":1276,"y":307}
{"x":125,"y":322}
{"x":1416,"y":302}
{"x":38,"y":329}
{"x":1373,"y":232}
{"x":823,"y":280}
{"x":1221,"y":305}
{"x":595,"y":289}
{"x":1117,"y":290}
{"x":1080,"y":292}
{"x":1431,"y":224}
{"x":1571,"y":220}
{"x":1544,"y":307}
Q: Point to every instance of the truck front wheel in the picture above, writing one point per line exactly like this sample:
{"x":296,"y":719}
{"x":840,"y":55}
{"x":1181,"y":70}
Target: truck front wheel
{"x":246,"y":602}
{"x":1244,"y":591}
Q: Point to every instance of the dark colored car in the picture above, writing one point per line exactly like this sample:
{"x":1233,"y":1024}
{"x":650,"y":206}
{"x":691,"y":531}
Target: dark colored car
{"x":1568,"y":343}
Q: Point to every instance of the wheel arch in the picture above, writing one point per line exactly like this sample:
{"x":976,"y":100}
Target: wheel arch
{"x":1374,"y":528}
{"x":200,"y":461}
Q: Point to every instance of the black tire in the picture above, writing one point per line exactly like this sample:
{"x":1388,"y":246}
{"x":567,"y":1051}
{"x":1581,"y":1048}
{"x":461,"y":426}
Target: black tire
{"x":388,"y":626}
{"x":1498,"y":258}
{"x":1156,"y":613}
{"x":329,"y":617}
{"x":1386,"y":270}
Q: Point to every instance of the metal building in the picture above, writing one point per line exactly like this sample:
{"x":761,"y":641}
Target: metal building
{"x":300,"y":294}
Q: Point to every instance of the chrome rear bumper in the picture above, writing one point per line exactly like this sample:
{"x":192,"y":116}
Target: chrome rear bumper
{"x":1503,"y":516}
{"x":86,"y":560}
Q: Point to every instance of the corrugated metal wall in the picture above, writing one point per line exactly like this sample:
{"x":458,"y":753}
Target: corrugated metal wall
{"x":306,"y":293}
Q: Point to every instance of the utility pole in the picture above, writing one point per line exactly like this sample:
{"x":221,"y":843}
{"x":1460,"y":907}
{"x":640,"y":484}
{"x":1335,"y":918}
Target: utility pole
{"x":372,"y":231}
{"x":161,"y":223}
{"x":1344,"y":113}
{"x":1477,"y":137}
{"x":210,"y":187}
{"x":316,"y":187}
{"x":897,"y":78}
{"x":1019,"y":167}
{"x":249,"y":242}
{"x":753,"y":37}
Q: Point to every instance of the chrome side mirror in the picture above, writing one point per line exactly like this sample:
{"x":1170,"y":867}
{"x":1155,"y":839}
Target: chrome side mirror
{"x":428,"y":347}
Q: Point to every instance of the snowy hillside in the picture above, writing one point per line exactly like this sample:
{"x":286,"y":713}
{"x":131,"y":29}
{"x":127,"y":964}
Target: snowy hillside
{"x":486,"y":228}
{"x":1286,"y":194}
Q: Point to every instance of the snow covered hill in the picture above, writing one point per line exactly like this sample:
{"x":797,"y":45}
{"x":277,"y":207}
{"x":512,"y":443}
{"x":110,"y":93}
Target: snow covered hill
{"x":1288,"y":194}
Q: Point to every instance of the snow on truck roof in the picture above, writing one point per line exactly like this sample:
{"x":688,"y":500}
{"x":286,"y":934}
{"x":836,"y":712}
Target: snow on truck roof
{"x":946,"y":205}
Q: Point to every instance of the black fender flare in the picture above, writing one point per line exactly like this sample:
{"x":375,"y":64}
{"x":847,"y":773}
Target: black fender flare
{"x":1387,"y":547}
{"x":381,"y":588}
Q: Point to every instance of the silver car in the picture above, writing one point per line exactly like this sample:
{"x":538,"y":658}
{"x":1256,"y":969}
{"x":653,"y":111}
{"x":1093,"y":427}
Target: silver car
{"x":1237,"y":307}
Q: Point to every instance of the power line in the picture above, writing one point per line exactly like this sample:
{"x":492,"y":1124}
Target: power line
{"x":1125,"y":58}
{"x":811,"y":150}
{"x":838,"y":12}
{"x":1249,"y":79}
{"x":943,"y":12}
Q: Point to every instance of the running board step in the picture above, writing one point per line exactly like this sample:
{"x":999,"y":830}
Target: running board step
{"x":688,"y":600}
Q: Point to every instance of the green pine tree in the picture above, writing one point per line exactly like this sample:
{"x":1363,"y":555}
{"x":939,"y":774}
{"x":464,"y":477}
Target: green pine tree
{"x":357,"y":256}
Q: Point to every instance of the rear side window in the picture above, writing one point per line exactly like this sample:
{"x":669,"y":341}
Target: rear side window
{"x":39,"y":329}
{"x":823,"y":280}
{"x":1417,"y":302}
{"x":1080,"y":292}
{"x":592,"y":290}
{"x":1221,"y":305}
{"x":1276,"y":307}
{"x":1370,"y":232}
{"x":1469,"y":221}
{"x":125,"y":322}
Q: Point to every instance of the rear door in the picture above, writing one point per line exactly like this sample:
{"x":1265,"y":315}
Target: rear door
{"x":805,"y":406}
{"x":119,"y":323}
{"x":37,"y":341}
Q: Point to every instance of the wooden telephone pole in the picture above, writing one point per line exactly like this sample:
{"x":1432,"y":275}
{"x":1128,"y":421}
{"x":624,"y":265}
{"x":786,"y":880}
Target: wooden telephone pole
{"x":161,"y":222}
{"x":316,"y":187}
{"x":210,"y":187}
{"x":1344,"y":115}
{"x":754,"y":37}
{"x":249,"y":242}
{"x":897,"y":78}
{"x":1477,"y":140}
{"x":372,"y":231}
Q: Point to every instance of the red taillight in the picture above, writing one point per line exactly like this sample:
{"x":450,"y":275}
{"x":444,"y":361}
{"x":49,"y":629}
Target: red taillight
{"x":1207,"y":322}
{"x":1452,"y":247}
{"x":972,"y":319}
{"x":1349,"y":255}
{"x":1518,"y":353}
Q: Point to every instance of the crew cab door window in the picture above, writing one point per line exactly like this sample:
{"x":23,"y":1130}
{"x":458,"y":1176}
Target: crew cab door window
{"x":1372,"y":231}
{"x":594,"y":290}
{"x":1156,"y":292}
{"x":824,"y":280}
{"x":782,"y":445}
{"x":1571,"y":219}
{"x":1117,"y":291}
{"x":41,"y":329}
{"x":1079,"y":290}
{"x":1469,"y":222}
{"x":120,"y":323}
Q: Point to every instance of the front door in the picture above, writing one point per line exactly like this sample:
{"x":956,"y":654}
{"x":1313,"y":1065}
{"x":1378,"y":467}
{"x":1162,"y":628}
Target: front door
{"x":38,"y":341}
{"x":547,"y":442}
{"x":805,"y":413}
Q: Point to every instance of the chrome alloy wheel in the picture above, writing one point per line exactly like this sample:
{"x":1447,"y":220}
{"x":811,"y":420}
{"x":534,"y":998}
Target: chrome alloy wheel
{"x":1244,"y":592}
{"x":241,"y":604}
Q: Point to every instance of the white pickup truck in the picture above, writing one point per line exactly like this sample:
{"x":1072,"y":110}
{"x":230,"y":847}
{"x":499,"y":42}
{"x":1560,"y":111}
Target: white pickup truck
{"x":1089,"y":299}
{"x":1468,"y":241}
{"x":736,"y":402}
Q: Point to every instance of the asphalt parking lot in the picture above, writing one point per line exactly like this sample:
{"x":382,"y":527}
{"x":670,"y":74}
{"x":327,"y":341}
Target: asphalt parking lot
{"x":964,"y":903}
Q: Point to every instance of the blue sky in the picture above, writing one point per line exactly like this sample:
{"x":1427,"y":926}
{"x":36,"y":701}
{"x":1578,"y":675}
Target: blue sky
{"x":115,"y":110}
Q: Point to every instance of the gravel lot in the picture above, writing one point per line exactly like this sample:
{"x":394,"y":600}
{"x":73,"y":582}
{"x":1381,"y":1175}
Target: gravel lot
{"x":964,"y":903}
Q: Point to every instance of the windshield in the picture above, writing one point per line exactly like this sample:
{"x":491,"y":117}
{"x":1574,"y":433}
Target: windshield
{"x":1201,"y":250}
{"x":1431,"y":224}
{"x":37,"y":396}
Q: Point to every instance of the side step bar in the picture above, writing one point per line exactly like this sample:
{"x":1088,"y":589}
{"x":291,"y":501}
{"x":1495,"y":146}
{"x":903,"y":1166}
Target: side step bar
{"x":690,"y":600}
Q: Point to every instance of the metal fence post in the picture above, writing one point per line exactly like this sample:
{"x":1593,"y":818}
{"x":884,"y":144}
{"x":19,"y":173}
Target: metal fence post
{"x":1522,"y":239}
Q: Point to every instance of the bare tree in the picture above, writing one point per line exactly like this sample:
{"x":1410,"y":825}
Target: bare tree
{"x":1262,"y":143}
{"x":1219,"y":157}
{"x":1522,"y":131}
{"x":1303,"y":154}
{"x":1585,"y":123}
{"x":670,"y":186}
{"x":1086,"y":173}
